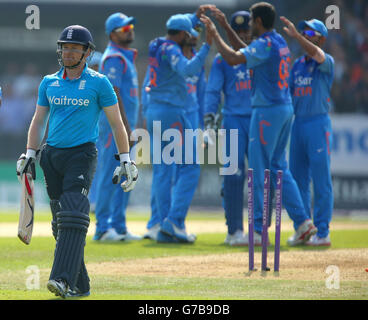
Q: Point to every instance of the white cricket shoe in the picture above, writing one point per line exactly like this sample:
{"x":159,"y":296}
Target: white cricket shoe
{"x":111,"y":235}
{"x":257,"y":239}
{"x":128,"y":236}
{"x":228,"y":238}
{"x":316,"y":241}
{"x":152,"y":233}
{"x":176,"y":233}
{"x":303,"y":234}
{"x":238,"y":239}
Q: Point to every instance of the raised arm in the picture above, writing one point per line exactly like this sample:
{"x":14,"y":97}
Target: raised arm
{"x":310,"y":48}
{"x":231,"y":56}
{"x":232,"y":36}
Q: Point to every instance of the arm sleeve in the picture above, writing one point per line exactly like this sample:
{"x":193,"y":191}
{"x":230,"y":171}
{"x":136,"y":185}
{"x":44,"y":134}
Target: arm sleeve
{"x":106,"y":95}
{"x":42,"y":97}
{"x":328,"y":65}
{"x":114,"y":68}
{"x":184,"y":66}
{"x":256,"y":53}
{"x":214,"y":86}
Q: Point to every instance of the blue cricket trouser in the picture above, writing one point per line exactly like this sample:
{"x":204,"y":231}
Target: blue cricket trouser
{"x":111,"y":200}
{"x":172,"y":189}
{"x":310,"y":143}
{"x":193,"y":118}
{"x":269,"y":133}
{"x":233,"y":185}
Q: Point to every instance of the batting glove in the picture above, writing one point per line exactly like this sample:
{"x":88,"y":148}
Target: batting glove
{"x":26,"y":164}
{"x":127,"y":169}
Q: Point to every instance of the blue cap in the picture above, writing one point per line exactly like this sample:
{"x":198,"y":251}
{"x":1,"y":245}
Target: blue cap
{"x":314,"y":24}
{"x":181,"y":22}
{"x":195,"y":21}
{"x":240,"y":20}
{"x":117,"y":20}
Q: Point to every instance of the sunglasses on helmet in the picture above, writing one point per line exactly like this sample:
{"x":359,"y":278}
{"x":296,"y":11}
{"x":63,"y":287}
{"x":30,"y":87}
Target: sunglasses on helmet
{"x":311,"y":33}
{"x":125,"y":28}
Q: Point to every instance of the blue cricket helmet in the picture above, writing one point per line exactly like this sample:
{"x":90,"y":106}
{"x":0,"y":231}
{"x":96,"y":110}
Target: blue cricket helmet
{"x":240,"y":20}
{"x":75,"y":34}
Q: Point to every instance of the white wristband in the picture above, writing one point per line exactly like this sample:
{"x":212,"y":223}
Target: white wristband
{"x":124,"y":157}
{"x":31,"y":153}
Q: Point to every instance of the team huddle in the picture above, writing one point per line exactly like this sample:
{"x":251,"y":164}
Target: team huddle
{"x":265,"y":100}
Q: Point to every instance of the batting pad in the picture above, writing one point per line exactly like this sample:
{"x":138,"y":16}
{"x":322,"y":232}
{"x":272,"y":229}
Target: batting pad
{"x":72,"y":226}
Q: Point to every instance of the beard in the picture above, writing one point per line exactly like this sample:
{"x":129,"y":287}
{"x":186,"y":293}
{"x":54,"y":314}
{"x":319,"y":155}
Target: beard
{"x":125,"y":42}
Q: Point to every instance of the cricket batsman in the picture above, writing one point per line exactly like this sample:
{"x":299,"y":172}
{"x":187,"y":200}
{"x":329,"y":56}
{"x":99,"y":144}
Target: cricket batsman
{"x":73,"y":97}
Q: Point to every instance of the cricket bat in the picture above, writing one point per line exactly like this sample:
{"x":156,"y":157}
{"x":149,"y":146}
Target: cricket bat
{"x":25,"y":226}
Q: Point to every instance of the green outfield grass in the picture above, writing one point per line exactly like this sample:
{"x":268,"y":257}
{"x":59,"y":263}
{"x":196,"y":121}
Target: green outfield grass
{"x":15,"y":257}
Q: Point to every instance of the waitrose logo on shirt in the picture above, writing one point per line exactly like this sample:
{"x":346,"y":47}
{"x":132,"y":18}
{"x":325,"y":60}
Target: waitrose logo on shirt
{"x":65,"y":101}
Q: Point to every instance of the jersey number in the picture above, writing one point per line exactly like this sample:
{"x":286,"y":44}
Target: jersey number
{"x":153,"y":77}
{"x":284,"y":73}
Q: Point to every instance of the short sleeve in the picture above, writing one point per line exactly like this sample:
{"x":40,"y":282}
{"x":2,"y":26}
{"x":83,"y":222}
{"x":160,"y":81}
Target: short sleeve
{"x":42,"y":97}
{"x":256,"y":53}
{"x":113,"y":69}
{"x":328,"y":65}
{"x":106,"y":95}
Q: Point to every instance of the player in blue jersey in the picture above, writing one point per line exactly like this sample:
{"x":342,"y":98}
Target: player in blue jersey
{"x":167,"y":109}
{"x":118,"y":64}
{"x":235,"y":83}
{"x":73,"y":98}
{"x":268,"y":56}
{"x":310,"y":81}
{"x":196,"y":85}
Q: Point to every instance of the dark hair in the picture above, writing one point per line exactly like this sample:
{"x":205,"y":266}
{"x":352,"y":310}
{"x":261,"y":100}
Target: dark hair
{"x":173,"y":32}
{"x":266,"y":12}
